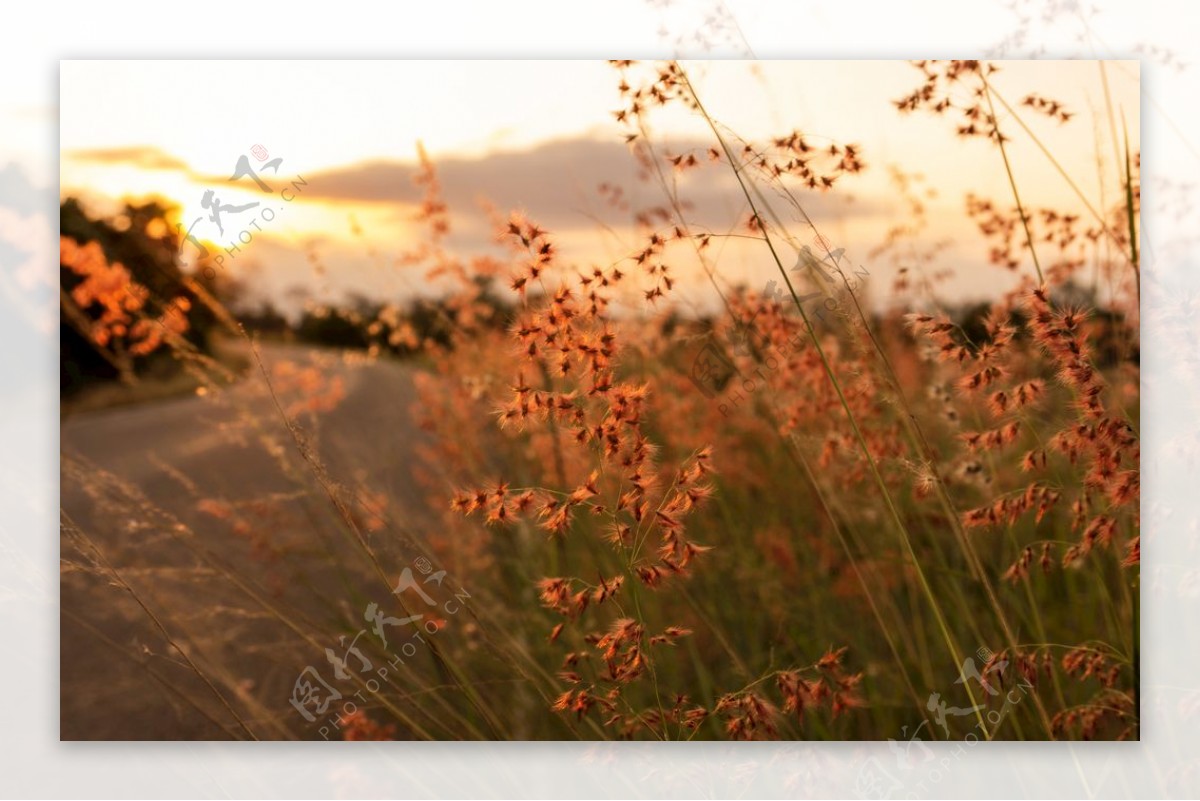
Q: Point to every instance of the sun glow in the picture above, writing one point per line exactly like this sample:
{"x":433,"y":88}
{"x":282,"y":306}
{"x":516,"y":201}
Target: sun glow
{"x":323,"y":124}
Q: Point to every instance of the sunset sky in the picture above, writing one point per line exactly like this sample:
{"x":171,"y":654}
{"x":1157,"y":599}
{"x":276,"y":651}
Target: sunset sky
{"x":540,"y":135}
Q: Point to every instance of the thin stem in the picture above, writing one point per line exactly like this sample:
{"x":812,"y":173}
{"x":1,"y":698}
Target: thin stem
{"x":893,"y":511}
{"x":1012,"y":181}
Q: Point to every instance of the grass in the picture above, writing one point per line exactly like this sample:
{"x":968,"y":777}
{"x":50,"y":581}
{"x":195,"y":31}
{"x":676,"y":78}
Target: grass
{"x":761,"y":524}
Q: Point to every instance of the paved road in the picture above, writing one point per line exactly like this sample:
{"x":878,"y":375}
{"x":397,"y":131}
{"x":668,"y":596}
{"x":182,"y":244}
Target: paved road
{"x":128,"y":473}
{"x":208,"y":436}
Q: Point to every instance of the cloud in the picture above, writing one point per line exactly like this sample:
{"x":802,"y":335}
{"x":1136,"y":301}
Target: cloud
{"x":557,"y":183}
{"x":18,"y":193}
{"x":143,"y":157}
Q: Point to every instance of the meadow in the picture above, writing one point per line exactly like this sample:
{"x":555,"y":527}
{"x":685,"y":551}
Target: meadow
{"x":556,"y":504}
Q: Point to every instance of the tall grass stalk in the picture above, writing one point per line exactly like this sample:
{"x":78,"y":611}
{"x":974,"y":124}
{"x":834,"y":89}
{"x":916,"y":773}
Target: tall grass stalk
{"x":901,"y":528}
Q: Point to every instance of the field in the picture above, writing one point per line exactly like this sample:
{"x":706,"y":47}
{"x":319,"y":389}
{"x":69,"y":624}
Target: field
{"x":557,"y":501}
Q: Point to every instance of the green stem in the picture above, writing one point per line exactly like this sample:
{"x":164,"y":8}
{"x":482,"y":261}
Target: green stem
{"x":1012,"y":181}
{"x":893,"y":511}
